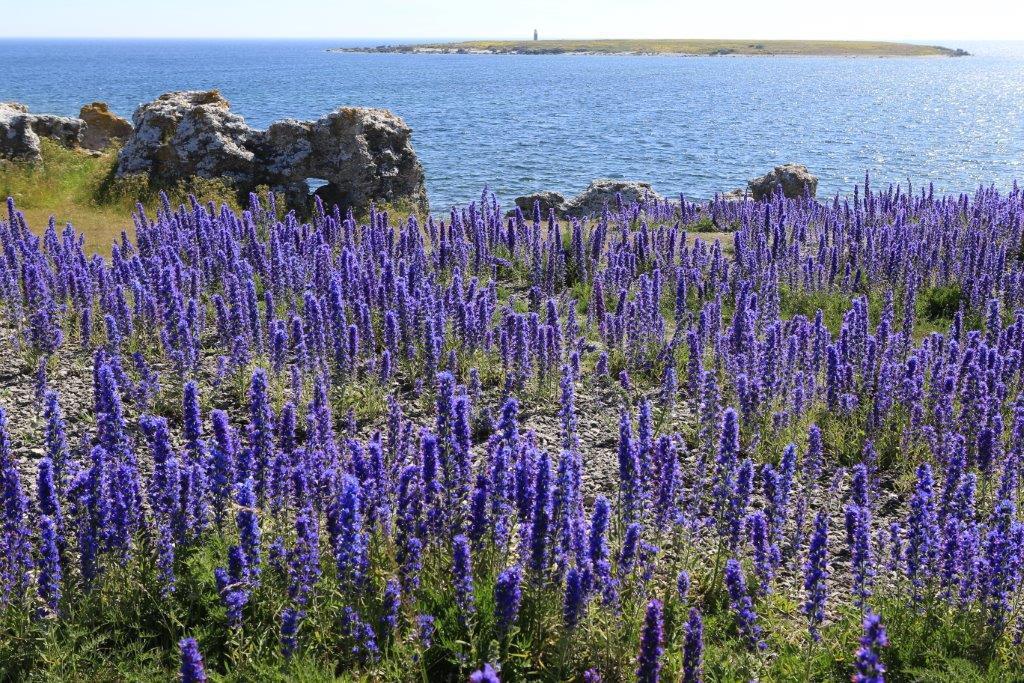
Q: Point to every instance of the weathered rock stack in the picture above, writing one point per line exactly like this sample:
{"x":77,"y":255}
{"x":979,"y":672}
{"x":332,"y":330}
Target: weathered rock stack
{"x":361,"y":154}
{"x":20,"y":132}
{"x":184,"y":134}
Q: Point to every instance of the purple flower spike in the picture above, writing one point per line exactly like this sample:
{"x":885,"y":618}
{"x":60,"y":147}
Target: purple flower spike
{"x":192,"y":670}
{"x":488,"y":674}
{"x":649,"y":660}
{"x":868,"y":663}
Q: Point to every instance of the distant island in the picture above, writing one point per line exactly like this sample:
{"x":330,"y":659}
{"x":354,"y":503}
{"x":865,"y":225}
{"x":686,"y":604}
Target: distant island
{"x":819,"y":48}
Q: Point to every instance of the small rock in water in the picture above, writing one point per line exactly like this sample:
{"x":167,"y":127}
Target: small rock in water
{"x":795,"y":180}
{"x":548,"y":200}
{"x":605,"y":191}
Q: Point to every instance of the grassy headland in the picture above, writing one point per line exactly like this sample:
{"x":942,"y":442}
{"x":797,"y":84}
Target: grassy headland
{"x":819,"y":48}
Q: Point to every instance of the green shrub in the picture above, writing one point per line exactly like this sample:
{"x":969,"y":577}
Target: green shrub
{"x":941,"y":303}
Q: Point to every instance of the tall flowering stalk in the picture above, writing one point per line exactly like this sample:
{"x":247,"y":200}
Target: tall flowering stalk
{"x":922,"y":530}
{"x":462,"y":577}
{"x":575,"y":598}
{"x":724,"y":490}
{"x":249,"y":532}
{"x":192,"y":670}
{"x":651,"y":650}
{"x":868,"y":663}
{"x":256,"y":461}
{"x":742,"y":606}
{"x":50,"y":576}
{"x":290,"y":621}
{"x":858,"y":525}
{"x":55,"y":437}
{"x":816,"y":575}
{"x":693,"y":648}
{"x":15,"y":541}
{"x":348,"y":538}
{"x":507,"y":597}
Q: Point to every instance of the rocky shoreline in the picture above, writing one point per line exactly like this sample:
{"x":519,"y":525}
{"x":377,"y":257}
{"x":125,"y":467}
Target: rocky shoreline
{"x":793,"y":180}
{"x":356,"y":155}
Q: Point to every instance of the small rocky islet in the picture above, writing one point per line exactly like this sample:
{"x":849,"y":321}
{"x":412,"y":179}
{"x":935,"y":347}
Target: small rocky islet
{"x":669,"y":47}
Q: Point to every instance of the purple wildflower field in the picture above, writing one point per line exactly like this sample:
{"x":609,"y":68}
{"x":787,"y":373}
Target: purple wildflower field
{"x":486,"y":446}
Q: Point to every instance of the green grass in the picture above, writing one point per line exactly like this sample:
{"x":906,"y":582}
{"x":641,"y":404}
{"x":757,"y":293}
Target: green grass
{"x":833,"y":305}
{"x":67,"y":186}
{"x":72,"y":186}
{"x":936,"y":307}
{"x":829,"y":48}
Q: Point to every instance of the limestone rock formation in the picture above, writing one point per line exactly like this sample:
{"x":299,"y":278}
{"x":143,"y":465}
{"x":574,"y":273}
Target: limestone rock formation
{"x":592,"y":200}
{"x":185,"y":134}
{"x":361,"y":154}
{"x":605,"y":191}
{"x":20,"y":131}
{"x":548,"y":200}
{"x":795,"y":180}
{"x":102,"y":126}
{"x":17,"y":139}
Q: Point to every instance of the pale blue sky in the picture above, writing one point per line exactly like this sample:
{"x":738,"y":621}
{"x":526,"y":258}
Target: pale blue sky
{"x":917,"y":20}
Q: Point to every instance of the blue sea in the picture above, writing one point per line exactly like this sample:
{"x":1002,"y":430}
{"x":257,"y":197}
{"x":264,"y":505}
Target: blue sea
{"x":690,"y":125}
